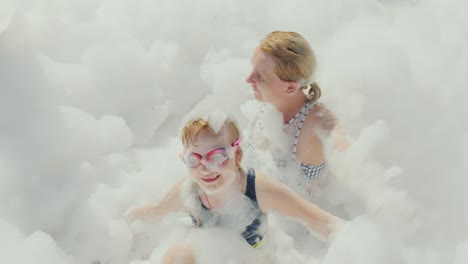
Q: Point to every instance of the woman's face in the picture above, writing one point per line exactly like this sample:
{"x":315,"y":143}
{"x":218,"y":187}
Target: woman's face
{"x":213,"y":176}
{"x":266,"y":85}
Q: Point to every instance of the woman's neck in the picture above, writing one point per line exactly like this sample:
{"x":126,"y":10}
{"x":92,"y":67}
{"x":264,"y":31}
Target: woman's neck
{"x":291,"y":106}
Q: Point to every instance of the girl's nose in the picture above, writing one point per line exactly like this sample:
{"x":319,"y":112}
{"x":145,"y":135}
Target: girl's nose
{"x":205,"y":168}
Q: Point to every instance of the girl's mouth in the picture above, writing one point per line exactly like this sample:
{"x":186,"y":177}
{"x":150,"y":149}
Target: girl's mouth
{"x":210,"y":179}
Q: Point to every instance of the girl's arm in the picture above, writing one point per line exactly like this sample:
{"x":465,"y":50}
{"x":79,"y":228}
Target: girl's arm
{"x":272,"y":195}
{"x":171,"y":203}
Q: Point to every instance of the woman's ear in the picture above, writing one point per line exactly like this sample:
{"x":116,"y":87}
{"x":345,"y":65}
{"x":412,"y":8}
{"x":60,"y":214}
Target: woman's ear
{"x":292,"y":87}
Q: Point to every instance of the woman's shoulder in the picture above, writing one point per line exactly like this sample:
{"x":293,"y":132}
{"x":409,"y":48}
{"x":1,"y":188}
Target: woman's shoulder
{"x":320,"y":117}
{"x":318,"y":124}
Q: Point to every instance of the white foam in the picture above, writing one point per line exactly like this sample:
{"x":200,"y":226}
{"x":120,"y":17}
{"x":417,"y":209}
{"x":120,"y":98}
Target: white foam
{"x":93,"y":94}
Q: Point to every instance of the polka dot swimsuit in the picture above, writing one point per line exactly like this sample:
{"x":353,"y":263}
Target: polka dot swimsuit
{"x":293,"y":130}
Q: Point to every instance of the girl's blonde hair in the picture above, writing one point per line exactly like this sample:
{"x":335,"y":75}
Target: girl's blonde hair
{"x":193,"y":128}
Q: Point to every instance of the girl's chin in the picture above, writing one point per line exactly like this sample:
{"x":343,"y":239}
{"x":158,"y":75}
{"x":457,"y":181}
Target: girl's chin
{"x":214,"y":188}
{"x":210,"y":191}
{"x":217,"y":184}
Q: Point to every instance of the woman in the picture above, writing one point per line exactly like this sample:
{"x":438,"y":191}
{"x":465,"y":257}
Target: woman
{"x":217,"y":180}
{"x":283,"y":65}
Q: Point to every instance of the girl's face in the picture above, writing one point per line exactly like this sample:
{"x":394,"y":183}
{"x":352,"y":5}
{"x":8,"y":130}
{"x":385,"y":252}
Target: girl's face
{"x":212,"y":163}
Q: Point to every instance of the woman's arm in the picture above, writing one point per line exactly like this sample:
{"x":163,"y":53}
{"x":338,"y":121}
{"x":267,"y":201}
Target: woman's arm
{"x":320,"y":125}
{"x":272,"y":195}
{"x":172,"y":202}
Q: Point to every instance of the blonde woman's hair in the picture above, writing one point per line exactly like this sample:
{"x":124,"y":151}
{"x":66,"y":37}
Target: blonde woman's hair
{"x":193,"y":128}
{"x":295,"y":60}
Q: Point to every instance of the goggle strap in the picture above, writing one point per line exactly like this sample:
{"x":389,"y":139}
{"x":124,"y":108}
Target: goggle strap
{"x":236,"y":143}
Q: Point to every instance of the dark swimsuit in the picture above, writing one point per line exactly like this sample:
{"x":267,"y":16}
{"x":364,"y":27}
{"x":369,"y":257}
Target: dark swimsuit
{"x":253,"y":232}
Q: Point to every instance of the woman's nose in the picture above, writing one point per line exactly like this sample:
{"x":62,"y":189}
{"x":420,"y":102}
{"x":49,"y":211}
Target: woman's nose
{"x":249,"y":78}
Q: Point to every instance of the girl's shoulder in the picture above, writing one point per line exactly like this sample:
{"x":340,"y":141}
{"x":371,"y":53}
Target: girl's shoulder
{"x":264,"y":182}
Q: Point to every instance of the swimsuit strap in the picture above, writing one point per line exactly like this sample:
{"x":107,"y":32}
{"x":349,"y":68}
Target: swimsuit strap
{"x":250,"y":188}
{"x":301,"y":116}
{"x":252,"y":234}
{"x":304,"y":110}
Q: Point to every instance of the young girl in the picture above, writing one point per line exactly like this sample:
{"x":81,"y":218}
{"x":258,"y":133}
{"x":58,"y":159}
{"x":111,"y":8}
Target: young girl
{"x":217,"y":180}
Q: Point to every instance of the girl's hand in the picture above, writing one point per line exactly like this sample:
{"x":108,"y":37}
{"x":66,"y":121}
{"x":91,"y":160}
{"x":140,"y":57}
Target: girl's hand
{"x":336,"y":227}
{"x":138,"y":213}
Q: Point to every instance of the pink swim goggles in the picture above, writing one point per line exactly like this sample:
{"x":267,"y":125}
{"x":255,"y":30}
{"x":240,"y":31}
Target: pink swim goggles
{"x":212,"y":159}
